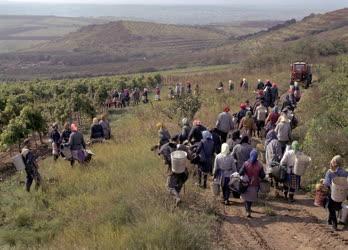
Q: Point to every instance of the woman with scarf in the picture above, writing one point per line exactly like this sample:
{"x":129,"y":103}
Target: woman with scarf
{"x":273,"y":156}
{"x":336,"y":170}
{"x":206,"y":153}
{"x":185,"y":131}
{"x":253,"y":170}
{"x":77,"y":145}
{"x":224,"y":167}
{"x":272,"y":119}
{"x":247,"y":124}
{"x":292,"y":181}
{"x":283,"y":130}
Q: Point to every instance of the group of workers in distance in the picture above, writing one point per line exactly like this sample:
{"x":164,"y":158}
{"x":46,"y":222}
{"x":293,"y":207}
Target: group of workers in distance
{"x":225,"y":152}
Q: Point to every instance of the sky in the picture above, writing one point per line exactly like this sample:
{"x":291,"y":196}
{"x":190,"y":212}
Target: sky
{"x":341,"y":3}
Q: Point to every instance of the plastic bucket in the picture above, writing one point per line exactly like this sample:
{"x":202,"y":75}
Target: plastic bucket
{"x":275,"y":170}
{"x":320,"y":197}
{"x":179,"y":160}
{"x":18,"y":162}
{"x":339,"y":189}
{"x":215,"y":187}
{"x":343,"y":215}
{"x":265,"y":187}
{"x":302,"y":162}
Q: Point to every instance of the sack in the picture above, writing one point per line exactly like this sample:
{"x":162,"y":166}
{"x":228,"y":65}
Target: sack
{"x":282,"y":175}
{"x":243,"y":187}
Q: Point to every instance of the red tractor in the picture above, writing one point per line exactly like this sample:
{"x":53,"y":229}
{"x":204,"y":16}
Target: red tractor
{"x":301,"y":72}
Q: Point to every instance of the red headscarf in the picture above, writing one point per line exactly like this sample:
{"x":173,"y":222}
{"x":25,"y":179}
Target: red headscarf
{"x":226,"y":109}
{"x":74,"y":127}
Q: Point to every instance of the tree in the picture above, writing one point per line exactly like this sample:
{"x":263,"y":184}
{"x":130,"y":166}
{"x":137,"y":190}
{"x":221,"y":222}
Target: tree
{"x":33,"y":120}
{"x":14,"y":132}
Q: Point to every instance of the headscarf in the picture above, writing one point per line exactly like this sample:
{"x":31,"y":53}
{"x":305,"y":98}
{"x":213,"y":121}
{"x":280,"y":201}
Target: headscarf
{"x":207,"y":135}
{"x":243,"y":106}
{"x":74,"y":127}
{"x":185,"y":121}
{"x":226,"y":109}
{"x":160,"y":125}
{"x":95,"y":121}
{"x":274,"y":85}
{"x":271,"y":135}
{"x":275,"y":109}
{"x":245,"y":139}
{"x":249,"y":114}
{"x":295,"y":146}
{"x":225,"y":149}
{"x":337,"y":159}
{"x":55,"y":125}
{"x":283,"y":119}
{"x":253,"y":156}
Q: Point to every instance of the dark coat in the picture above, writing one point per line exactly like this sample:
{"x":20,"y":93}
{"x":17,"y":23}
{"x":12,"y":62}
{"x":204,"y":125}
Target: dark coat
{"x":196,"y":133}
{"x":97,"y":131}
{"x":206,"y":151}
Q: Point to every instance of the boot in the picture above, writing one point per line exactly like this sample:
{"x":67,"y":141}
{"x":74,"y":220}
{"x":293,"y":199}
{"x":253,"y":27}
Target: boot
{"x":286,"y":195}
{"x":205,"y":178}
{"x":291,"y":198}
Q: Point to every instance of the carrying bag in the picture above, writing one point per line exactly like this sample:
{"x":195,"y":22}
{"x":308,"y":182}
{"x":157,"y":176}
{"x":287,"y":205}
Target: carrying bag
{"x":243,"y":187}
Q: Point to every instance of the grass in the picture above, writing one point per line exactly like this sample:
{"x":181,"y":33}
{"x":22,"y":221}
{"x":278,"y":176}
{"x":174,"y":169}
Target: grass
{"x":117,"y":202}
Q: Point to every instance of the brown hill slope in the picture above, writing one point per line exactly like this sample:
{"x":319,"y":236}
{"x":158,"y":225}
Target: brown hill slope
{"x":125,"y":38}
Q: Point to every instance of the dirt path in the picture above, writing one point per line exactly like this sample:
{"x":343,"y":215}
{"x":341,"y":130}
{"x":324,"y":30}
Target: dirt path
{"x":276,"y":224}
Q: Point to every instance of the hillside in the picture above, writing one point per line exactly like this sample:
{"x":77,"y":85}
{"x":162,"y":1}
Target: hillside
{"x":135,"y":39}
{"x":322,"y":27}
{"x":23,"y":32}
{"x":128,"y":47}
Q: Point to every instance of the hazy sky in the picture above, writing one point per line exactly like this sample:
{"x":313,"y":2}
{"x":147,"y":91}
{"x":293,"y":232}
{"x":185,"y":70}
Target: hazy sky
{"x":341,"y":3}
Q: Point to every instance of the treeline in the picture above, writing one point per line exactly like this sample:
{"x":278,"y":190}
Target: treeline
{"x":28,"y":107}
{"x":308,"y":50}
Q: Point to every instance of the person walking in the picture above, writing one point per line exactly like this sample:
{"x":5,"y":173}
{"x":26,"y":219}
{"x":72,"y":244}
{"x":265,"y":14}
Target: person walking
{"x":206,"y":153}
{"x":195,"y":134}
{"x":336,"y":170}
{"x":247,"y":125}
{"x":55,"y":138}
{"x":31,"y":166}
{"x":224,"y":124}
{"x":106,"y":126}
{"x":260,"y":116}
{"x":283,"y":130}
{"x":77,"y":145}
{"x":224,"y":167}
{"x":292,"y":181}
{"x":252,"y":171}
{"x":241,"y":152}
{"x":185,"y":130}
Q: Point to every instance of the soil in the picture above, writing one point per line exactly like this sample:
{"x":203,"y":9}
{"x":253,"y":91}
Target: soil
{"x":276,"y":224}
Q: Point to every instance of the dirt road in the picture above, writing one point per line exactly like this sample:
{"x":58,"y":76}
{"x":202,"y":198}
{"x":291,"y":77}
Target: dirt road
{"x":276,"y":224}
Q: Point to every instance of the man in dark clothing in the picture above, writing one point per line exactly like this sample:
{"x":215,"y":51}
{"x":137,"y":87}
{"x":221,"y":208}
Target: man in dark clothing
{"x":268,"y":97}
{"x":196,"y":132}
{"x":275,"y":94}
{"x":260,"y":85}
{"x":31,"y":167}
{"x":166,"y":150}
{"x":217,"y":140}
{"x":97,"y":131}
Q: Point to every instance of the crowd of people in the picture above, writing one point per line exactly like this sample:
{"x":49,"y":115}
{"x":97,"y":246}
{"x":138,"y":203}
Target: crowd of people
{"x":226,"y":152}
